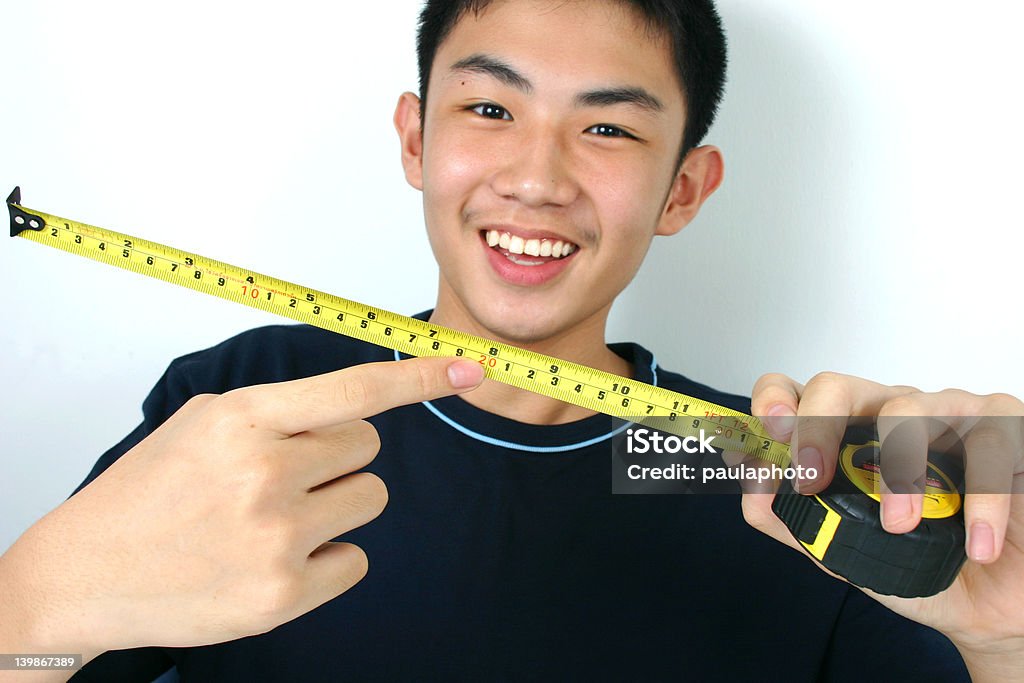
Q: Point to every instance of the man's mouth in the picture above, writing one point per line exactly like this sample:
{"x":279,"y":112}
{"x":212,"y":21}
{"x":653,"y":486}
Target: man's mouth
{"x":528,"y":251}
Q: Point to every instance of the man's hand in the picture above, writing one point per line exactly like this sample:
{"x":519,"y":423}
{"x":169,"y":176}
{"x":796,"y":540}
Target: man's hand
{"x":217,"y":525}
{"x":983,"y":611}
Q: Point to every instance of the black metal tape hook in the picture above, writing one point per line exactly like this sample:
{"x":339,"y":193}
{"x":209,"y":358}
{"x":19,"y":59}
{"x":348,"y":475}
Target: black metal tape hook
{"x":20,"y":219}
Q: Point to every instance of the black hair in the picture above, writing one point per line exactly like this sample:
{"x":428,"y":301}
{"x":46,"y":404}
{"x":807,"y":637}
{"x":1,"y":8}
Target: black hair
{"x":693,"y":27}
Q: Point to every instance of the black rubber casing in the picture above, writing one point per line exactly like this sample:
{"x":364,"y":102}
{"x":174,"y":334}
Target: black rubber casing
{"x":920,"y":563}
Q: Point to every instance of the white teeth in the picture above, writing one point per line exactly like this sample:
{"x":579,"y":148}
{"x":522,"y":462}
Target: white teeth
{"x":515,"y":244}
{"x":524,"y":262}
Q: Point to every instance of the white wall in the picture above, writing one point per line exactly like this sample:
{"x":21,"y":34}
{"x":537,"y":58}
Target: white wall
{"x":869,"y":222}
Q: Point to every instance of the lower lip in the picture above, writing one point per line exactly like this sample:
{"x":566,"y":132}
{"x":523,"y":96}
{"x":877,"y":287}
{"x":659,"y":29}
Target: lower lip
{"x":526,"y":276}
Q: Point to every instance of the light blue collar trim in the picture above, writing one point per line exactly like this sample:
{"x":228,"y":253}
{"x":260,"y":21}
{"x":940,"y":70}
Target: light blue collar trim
{"x":518,"y":446}
{"x":490,"y":440}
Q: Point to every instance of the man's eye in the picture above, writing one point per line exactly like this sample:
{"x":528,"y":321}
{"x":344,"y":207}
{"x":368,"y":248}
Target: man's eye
{"x":606,"y":131}
{"x":492,"y":111}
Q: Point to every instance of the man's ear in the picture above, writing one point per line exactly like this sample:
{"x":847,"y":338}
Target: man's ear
{"x":700,"y":175}
{"x":407,"y":123}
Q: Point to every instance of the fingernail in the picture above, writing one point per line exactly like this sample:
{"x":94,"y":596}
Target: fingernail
{"x":812,"y":463}
{"x":465,"y":373}
{"x":981,"y":542}
{"x":779,"y":420}
{"x":896,"y":507}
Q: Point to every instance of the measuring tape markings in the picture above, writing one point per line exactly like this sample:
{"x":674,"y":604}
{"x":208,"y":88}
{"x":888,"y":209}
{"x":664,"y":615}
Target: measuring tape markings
{"x":546,"y":375}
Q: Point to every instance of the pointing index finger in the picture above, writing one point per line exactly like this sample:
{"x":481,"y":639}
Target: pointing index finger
{"x":361,"y":391}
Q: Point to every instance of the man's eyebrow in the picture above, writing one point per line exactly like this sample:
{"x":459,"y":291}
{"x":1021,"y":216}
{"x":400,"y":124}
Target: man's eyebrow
{"x":605,"y":97}
{"x":600,"y":97}
{"x":494,"y":67}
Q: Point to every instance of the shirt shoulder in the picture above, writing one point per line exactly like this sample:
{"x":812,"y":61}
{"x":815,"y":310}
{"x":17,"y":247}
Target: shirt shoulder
{"x":273,"y":353}
{"x":646,"y":369}
{"x":684,"y":385}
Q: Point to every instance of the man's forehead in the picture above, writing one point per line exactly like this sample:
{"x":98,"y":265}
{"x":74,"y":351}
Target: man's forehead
{"x":599,"y":22}
{"x":520,"y":42}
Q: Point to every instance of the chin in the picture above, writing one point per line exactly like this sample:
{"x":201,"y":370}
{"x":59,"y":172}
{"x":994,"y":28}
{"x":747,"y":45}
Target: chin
{"x":521,"y":325}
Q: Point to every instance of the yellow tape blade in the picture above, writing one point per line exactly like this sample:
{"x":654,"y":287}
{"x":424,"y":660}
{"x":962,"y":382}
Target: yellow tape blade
{"x":546,"y":375}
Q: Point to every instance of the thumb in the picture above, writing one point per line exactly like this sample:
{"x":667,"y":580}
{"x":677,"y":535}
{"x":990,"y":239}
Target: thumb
{"x":775,"y":401}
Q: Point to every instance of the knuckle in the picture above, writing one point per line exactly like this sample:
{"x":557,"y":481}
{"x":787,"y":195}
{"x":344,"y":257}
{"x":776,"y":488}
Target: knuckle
{"x":818,"y":428}
{"x":985,"y":503}
{"x":195,"y":408}
{"x":238,"y":400}
{"x":259,"y":479}
{"x":770,"y":379}
{"x":1004,"y":404}
{"x":355,"y":392}
{"x":235,"y":408}
{"x":828,"y":380}
{"x":199,"y":401}
{"x":907,"y":405}
{"x":772,"y":389}
{"x":832,"y":385}
{"x":426,"y":379}
{"x":277,"y":596}
{"x":957,"y":394}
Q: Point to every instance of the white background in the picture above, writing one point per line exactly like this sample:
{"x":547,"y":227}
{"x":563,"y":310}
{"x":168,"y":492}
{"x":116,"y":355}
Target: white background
{"x":870,"y":221}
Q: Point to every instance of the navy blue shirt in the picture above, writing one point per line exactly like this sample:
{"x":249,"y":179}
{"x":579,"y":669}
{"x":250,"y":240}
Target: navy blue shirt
{"x":503,"y":555}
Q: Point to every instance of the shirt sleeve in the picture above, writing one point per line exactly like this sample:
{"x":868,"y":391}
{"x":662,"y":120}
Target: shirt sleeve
{"x":139,"y":665}
{"x":872,"y":641}
{"x":171,"y":392}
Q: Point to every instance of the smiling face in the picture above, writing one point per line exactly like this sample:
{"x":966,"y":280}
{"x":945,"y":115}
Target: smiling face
{"x":547,"y":162}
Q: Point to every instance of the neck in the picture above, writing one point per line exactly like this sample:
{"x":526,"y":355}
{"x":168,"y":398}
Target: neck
{"x":583,"y":343}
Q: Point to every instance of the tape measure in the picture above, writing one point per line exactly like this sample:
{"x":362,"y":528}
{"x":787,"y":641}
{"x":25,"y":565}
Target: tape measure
{"x":841,"y":526}
{"x":849,"y":509}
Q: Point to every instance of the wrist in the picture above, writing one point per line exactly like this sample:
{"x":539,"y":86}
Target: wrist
{"x":30,"y":618}
{"x":996,"y":661}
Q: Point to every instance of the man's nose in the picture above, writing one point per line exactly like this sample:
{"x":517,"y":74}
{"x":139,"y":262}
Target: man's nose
{"x":537,"y":172}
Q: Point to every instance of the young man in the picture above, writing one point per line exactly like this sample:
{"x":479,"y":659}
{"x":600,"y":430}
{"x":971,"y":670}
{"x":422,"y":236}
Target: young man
{"x":547,"y":144}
